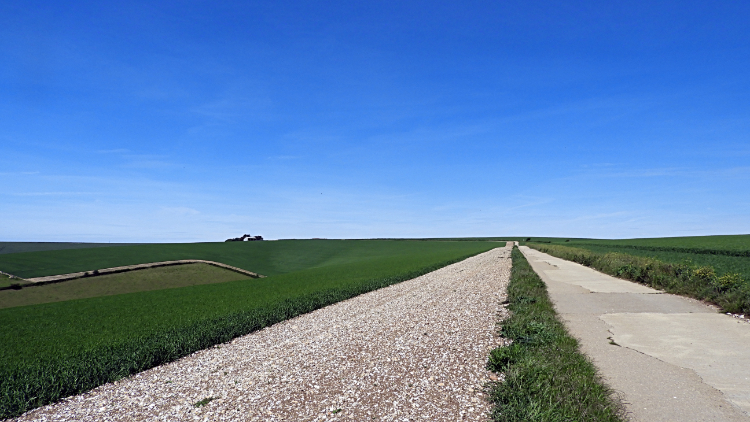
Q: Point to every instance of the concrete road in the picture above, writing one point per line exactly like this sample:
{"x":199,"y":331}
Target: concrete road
{"x":671,"y":358}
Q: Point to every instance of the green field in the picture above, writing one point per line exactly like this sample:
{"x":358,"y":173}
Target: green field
{"x":728,"y":243}
{"x":114,"y":284}
{"x":731,"y":245}
{"x":6,"y":281}
{"x":267,"y":258}
{"x":17,"y":247}
{"x":56,"y":349}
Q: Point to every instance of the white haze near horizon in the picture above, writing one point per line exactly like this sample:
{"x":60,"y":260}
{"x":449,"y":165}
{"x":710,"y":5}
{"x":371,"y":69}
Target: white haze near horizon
{"x":161,"y":122}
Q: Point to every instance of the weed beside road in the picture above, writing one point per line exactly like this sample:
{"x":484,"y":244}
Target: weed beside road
{"x":728,"y":290}
{"x":546,"y":377}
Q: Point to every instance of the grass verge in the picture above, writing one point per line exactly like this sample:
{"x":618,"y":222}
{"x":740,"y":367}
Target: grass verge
{"x":546,"y":377}
{"x":730,"y":290}
{"x":56,"y":350}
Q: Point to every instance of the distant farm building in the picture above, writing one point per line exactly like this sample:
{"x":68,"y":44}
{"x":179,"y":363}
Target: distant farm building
{"x":245,"y":238}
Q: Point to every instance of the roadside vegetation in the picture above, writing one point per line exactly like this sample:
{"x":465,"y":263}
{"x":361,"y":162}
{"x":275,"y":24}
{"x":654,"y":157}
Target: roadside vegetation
{"x":715,"y":277}
{"x":546,"y":377}
{"x":54,"y":350}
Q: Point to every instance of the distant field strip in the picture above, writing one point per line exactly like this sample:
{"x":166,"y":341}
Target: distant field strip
{"x":267,"y":257}
{"x":114,"y":270}
{"x":156,"y":278}
{"x":691,"y":250}
{"x":739,"y":242}
{"x":18,"y":247}
{"x":735,"y":243}
{"x":53,"y":350}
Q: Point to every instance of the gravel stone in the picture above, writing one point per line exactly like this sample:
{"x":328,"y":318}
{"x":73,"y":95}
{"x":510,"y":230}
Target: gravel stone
{"x":414,"y":351}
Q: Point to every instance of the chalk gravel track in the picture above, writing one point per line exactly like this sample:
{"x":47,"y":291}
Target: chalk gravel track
{"x":414,"y":351}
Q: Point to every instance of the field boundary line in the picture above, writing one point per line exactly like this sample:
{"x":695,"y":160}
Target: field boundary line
{"x":125,"y":268}
{"x":11,"y":275}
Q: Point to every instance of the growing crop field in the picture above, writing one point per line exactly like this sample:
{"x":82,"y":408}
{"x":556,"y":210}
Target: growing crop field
{"x":5,"y":281}
{"x":730,"y":245}
{"x":56,"y":349}
{"x":114,"y":284}
{"x":17,"y":247}
{"x":739,"y":244}
{"x":267,"y":258}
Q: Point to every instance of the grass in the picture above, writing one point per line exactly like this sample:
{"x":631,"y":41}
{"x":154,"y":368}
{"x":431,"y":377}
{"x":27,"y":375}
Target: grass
{"x":720,"y":279}
{"x":204,"y":402}
{"x":546,"y":377}
{"x":113,"y":284}
{"x":267,"y":258}
{"x":17,"y":247}
{"x":6,"y":281}
{"x":57,"y":349}
{"x":729,"y":245}
{"x":737,"y":245}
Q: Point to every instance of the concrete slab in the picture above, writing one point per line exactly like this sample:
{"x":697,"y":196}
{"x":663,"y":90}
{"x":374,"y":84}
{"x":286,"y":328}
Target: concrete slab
{"x":608,"y":303}
{"x":674,"y":358}
{"x":653,"y":390}
{"x":713,"y":345}
{"x":569,"y":272}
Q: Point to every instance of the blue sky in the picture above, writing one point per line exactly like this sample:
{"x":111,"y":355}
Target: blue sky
{"x":198,"y":121}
